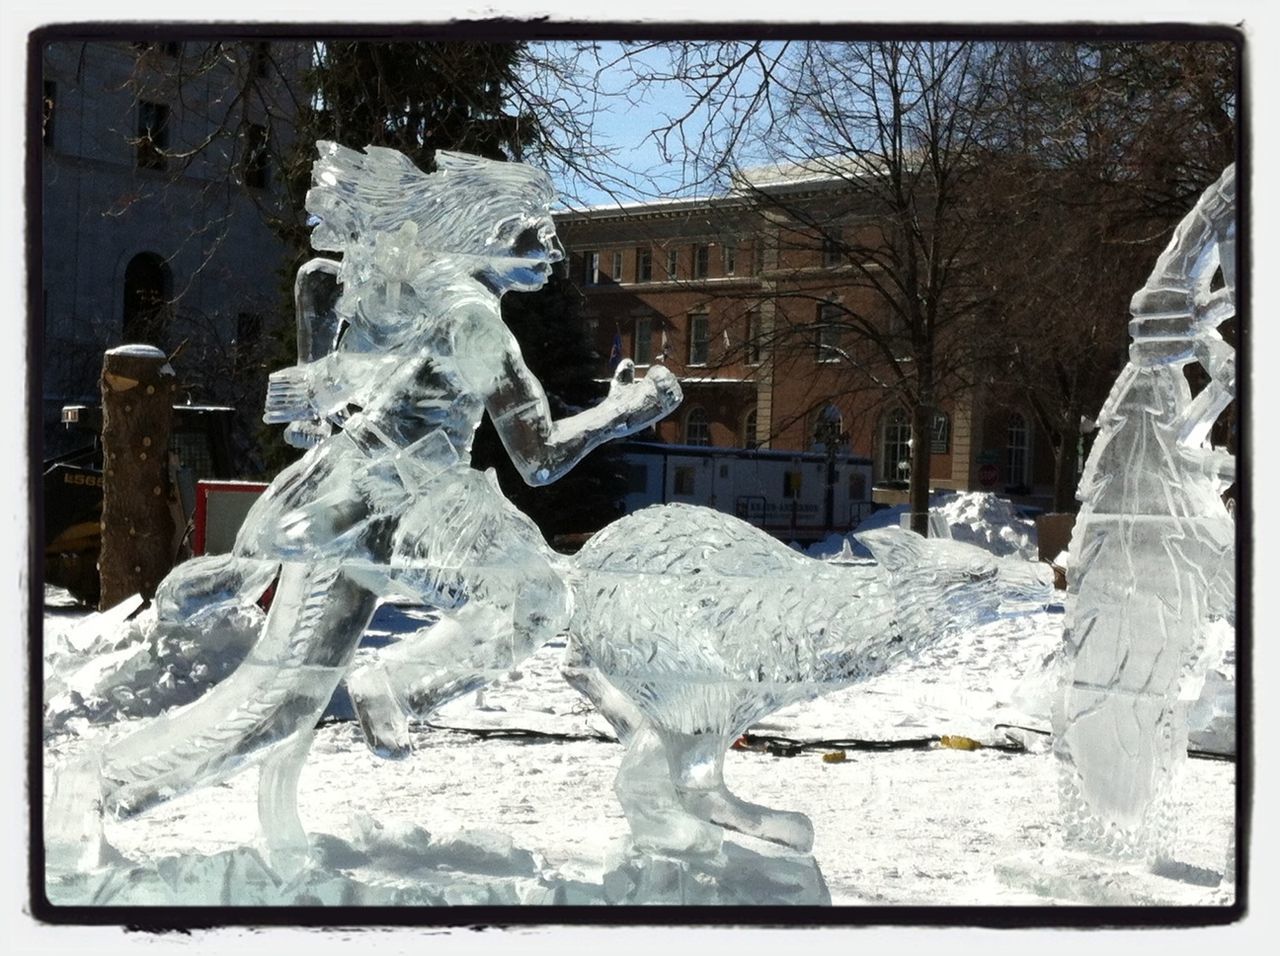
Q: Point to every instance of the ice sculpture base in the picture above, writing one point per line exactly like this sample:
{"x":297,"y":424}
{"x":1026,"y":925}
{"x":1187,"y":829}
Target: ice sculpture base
{"x":735,"y":876}
{"x":1072,"y":877}
{"x":391,"y":866}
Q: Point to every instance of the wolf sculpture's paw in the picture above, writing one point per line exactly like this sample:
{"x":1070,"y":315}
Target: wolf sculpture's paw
{"x":382,"y":720}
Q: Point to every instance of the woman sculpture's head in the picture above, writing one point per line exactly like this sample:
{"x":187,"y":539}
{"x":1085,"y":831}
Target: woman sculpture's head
{"x":469,"y":207}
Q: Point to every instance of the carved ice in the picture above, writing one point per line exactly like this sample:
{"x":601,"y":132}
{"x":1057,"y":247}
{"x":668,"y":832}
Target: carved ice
{"x":690,"y":625}
{"x":1152,"y":555}
{"x":402,"y":349}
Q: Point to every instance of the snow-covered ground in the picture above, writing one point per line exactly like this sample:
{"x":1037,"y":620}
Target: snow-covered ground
{"x":533,"y":819}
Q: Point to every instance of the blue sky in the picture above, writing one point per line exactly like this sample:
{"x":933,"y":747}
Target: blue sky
{"x":625,"y":127}
{"x":624,"y":119}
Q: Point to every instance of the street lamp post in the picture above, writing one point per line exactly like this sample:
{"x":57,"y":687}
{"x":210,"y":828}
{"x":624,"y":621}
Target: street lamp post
{"x":828,"y":433}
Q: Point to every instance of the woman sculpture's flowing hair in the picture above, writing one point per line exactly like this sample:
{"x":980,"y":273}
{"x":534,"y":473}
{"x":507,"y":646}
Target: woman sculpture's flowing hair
{"x":458,"y":208}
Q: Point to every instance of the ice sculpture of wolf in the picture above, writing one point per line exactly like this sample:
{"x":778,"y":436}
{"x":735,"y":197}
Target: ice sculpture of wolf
{"x":1152,"y":554}
{"x":409,"y":358}
{"x":690,"y":625}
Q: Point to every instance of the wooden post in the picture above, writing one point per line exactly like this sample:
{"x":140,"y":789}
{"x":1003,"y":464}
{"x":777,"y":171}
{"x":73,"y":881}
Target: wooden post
{"x":138,"y":388}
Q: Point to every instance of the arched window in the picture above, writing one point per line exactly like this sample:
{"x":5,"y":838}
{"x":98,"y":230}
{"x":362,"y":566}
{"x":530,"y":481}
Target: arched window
{"x":1019,"y":448}
{"x":697,"y":427}
{"x":146,"y":299}
{"x":749,"y":430}
{"x":895,"y":446}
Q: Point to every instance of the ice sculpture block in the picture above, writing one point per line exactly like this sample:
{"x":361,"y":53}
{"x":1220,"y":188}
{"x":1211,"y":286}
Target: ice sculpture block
{"x":690,"y":625}
{"x":1152,"y":554}
{"x":401,"y":351}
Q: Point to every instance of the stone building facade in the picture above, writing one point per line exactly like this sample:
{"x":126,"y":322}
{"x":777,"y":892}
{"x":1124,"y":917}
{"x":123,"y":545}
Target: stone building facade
{"x":154,"y":178}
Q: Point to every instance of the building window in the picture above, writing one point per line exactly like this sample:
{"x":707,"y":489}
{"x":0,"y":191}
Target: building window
{"x":673,"y":263}
{"x":828,"y":340}
{"x":1019,"y":448}
{"x":940,"y":441}
{"x":895,"y":447}
{"x":644,"y":265}
{"x":749,"y":430}
{"x":50,"y":101}
{"x":831,"y":251}
{"x":590,"y":268}
{"x":754,"y":336}
{"x":153,"y":134}
{"x":616,"y":272}
{"x":701,"y":260}
{"x":730,"y":259}
{"x":699,"y":337}
{"x":697,"y":427}
{"x":643,"y":350}
{"x":255,"y":157}
{"x":146,"y":300}
{"x":684,"y":480}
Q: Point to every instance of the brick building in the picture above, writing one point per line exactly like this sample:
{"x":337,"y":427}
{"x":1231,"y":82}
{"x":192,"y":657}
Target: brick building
{"x":708,"y":286}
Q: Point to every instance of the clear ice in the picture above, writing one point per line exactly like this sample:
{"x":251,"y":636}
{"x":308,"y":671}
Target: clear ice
{"x":401,"y":351}
{"x":689,"y":626}
{"x":1152,"y":554}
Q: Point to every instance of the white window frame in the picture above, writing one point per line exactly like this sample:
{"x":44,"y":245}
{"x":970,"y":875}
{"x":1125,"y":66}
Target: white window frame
{"x":701,"y":261}
{"x":701,"y":343}
{"x":895,"y":433}
{"x":645,"y":356}
{"x":1018,"y":451}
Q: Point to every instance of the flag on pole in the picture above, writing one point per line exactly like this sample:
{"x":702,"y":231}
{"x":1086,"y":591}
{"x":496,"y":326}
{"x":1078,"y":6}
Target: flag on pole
{"x":615,"y":353}
{"x":664,"y":345}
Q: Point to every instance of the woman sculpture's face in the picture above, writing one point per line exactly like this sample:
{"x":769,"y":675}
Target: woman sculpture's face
{"x":532,"y":252}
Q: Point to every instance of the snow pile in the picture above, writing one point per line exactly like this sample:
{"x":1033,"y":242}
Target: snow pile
{"x":988,"y":521}
{"x":1212,"y":718}
{"x":974,"y":517}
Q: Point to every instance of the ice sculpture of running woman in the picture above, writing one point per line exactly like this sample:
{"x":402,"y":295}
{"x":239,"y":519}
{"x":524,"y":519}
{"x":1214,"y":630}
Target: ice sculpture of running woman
{"x":1153,"y":549}
{"x":410,"y":358}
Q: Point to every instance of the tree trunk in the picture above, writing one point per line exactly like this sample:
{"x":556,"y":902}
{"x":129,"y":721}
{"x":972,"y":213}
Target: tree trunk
{"x":138,"y":387}
{"x":921,"y":432}
{"x":1064,"y":470}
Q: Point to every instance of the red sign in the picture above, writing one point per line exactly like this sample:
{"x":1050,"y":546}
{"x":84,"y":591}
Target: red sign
{"x":988,"y":475}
